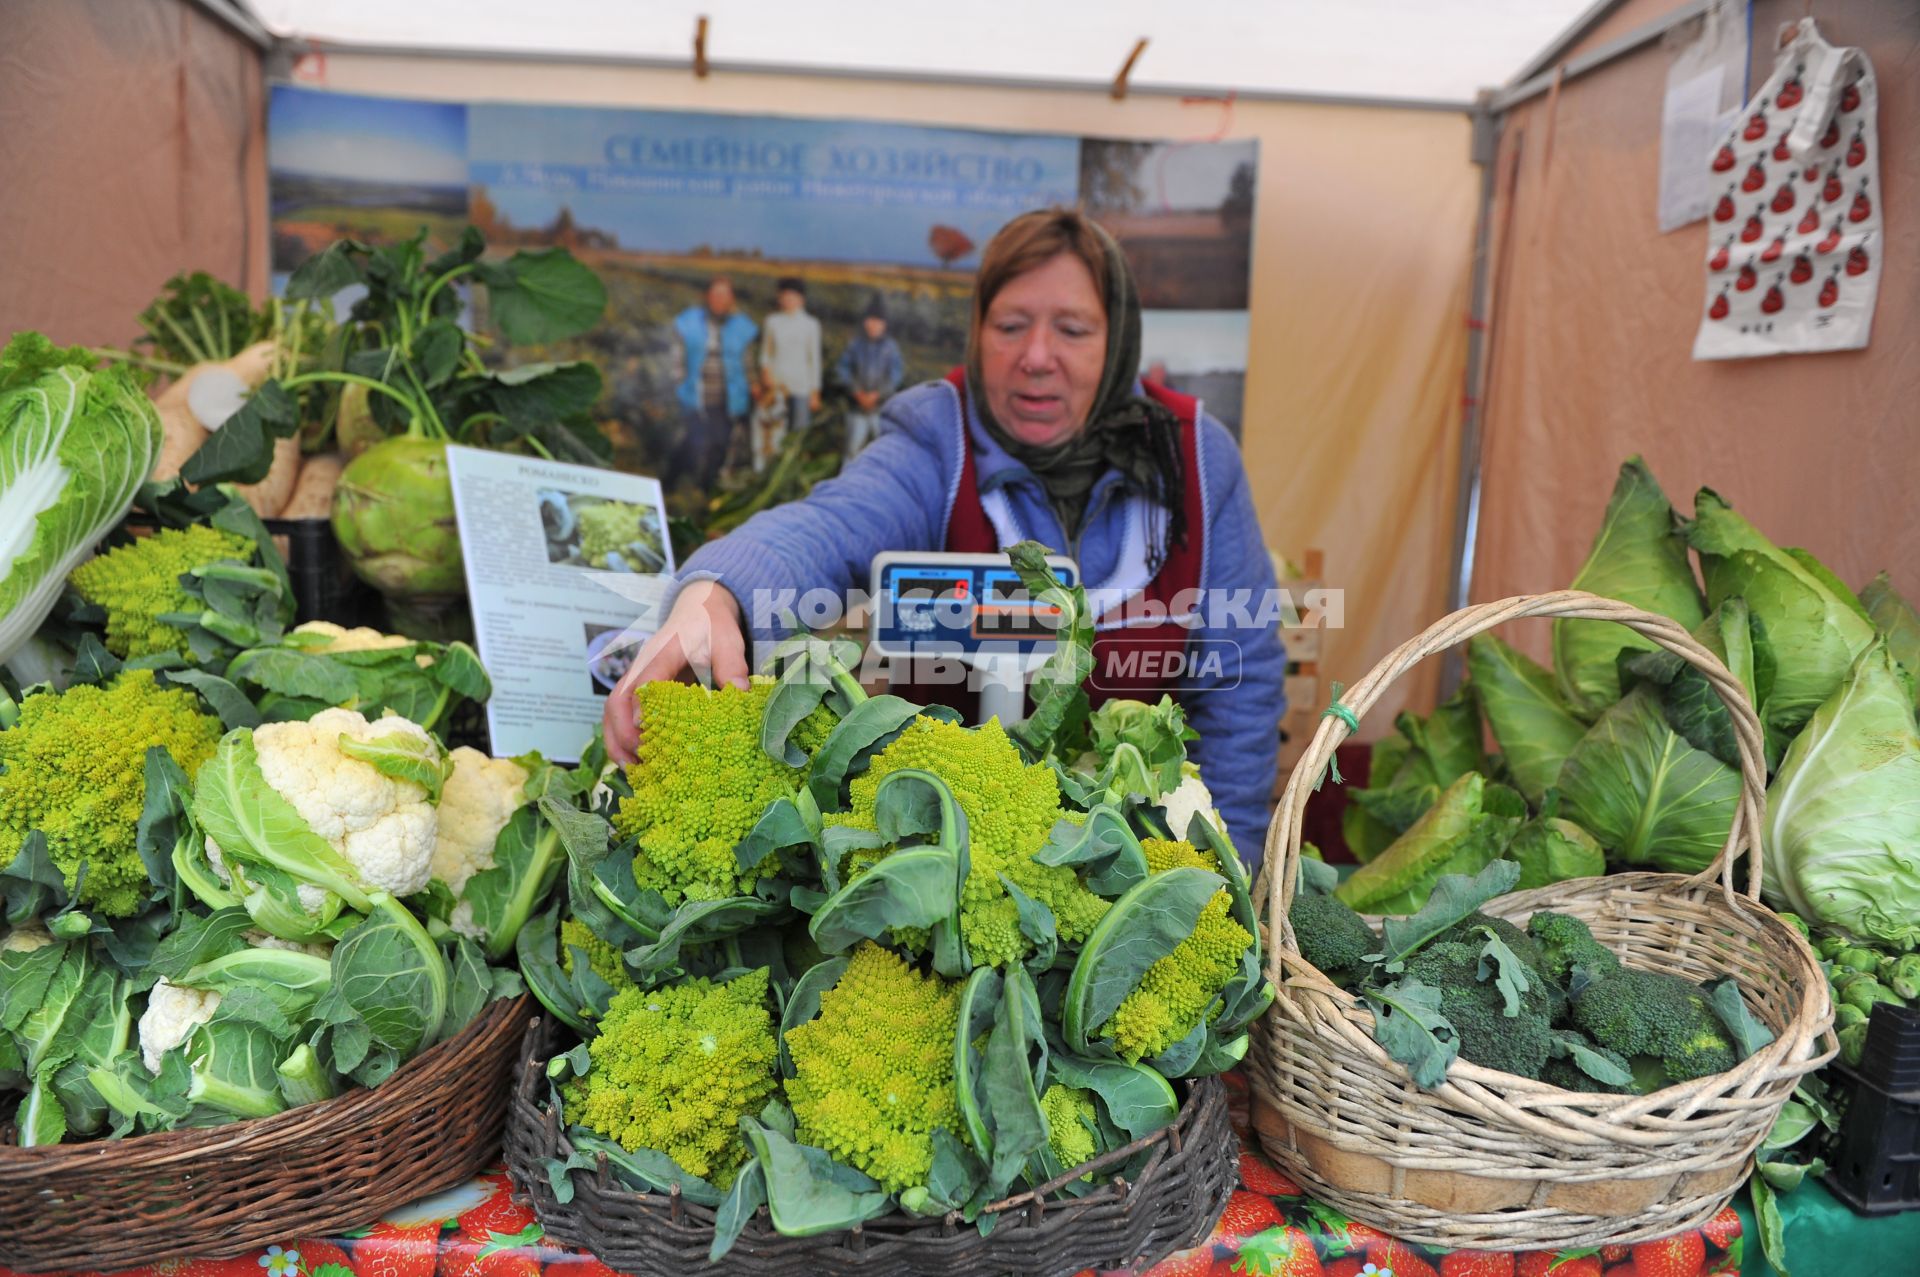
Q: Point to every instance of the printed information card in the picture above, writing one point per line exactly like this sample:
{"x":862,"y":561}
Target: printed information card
{"x":566,"y":568}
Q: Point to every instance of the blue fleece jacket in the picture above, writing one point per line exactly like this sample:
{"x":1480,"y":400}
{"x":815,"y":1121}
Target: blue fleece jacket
{"x":898,"y":493}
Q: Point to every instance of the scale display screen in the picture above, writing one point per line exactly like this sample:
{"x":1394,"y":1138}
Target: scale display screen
{"x":959,"y":604}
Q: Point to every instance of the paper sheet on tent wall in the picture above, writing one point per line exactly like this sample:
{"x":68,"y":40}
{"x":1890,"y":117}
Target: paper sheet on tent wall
{"x":1705,"y":87}
{"x":1795,"y":245}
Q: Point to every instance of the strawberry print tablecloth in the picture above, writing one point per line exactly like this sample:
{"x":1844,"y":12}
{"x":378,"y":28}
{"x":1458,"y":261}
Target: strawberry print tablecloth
{"x":1269,"y":1229}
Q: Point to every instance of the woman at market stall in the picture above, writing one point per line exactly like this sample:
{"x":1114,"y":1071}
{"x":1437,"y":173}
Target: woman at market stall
{"x":1047,"y":433}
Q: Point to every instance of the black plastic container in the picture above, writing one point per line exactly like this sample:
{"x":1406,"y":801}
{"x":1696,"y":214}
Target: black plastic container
{"x":324,"y":586}
{"x":1876,"y":1163}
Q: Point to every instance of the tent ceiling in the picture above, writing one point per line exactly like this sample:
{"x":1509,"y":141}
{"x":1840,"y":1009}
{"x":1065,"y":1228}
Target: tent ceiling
{"x":1431,"y":50}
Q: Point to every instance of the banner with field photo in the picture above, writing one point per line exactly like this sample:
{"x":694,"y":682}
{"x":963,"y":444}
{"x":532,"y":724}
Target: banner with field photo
{"x":771,"y":279}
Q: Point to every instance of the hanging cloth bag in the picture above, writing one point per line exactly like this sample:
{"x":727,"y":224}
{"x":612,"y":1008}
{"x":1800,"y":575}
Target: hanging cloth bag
{"x":1794,"y":231}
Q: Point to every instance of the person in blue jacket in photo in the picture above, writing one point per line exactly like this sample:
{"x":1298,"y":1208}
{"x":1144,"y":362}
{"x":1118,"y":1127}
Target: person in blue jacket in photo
{"x":711,"y":350}
{"x":1048,"y":433}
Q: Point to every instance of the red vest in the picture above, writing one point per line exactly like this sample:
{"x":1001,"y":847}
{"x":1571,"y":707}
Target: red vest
{"x":1140,"y":661}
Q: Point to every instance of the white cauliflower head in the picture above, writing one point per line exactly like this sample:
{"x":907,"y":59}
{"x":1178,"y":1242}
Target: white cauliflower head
{"x":475,"y":804}
{"x":1185,"y":800}
{"x":359,"y":639}
{"x":384,"y":826}
{"x":26,"y":938}
{"x":172,"y":1014}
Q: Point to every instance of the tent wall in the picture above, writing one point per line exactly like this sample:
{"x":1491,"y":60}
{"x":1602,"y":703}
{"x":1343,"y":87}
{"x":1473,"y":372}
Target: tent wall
{"x":1593,"y":319}
{"x":1364,"y":226}
{"x":132,"y":137}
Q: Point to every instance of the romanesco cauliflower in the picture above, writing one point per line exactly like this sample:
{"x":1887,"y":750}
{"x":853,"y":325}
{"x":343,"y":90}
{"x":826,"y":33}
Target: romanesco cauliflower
{"x":1070,"y":1124}
{"x":609,"y":527}
{"x":1011,"y":807}
{"x":74,"y":767}
{"x":139,"y":582}
{"x":873,"y":1073}
{"x":1180,"y":988}
{"x":602,"y":956}
{"x":675,"y":1069}
{"x":701,"y":783}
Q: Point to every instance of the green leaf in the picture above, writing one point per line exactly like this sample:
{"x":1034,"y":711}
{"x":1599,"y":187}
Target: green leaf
{"x":253,"y":823}
{"x":1454,"y":896}
{"x":1016,"y":1057}
{"x":1138,"y":1100}
{"x":1897,"y":623}
{"x":644,"y":1168}
{"x":1589,"y":1061}
{"x":235,"y":1067}
{"x":781,"y":826}
{"x":25,"y":975}
{"x":1059,"y":701}
{"x":1814,"y":625}
{"x":1103,"y":846}
{"x":807,"y":1192}
{"x":915,"y":888}
{"x":866,"y":729}
{"x":31,"y":885}
{"x":1531,"y":722}
{"x":241,"y":450}
{"x":699,"y":922}
{"x":803,"y":1004}
{"x":458,"y":666}
{"x":1645,"y":793}
{"x":1409,"y":1027}
{"x":1747,"y":1033}
{"x":527,"y":860}
{"x":1795,"y":1123}
{"x":1639,"y":556}
{"x":1773,"y":1229}
{"x":294,"y":671}
{"x":543,"y":295}
{"x":337,"y":266}
{"x":436,"y":351}
{"x":391,"y":977}
{"x":1037,"y":926}
{"x":1550,"y":850}
{"x":1141,"y":927}
{"x":1457,"y":835}
{"x":537,"y":948}
{"x":402,"y":756}
{"x":530,"y":396}
{"x":743,"y":1200}
{"x":228,"y":701}
{"x":1504,"y":965}
{"x":40,"y":1119}
{"x":198,"y":939}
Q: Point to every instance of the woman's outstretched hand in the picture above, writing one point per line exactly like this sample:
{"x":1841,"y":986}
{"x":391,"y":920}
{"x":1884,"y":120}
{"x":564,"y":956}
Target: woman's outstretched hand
{"x":703,"y":635}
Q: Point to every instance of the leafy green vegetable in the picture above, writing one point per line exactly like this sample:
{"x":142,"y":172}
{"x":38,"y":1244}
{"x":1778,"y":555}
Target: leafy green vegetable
{"x":1531,"y":722}
{"x":1427,"y":756}
{"x":302,"y":675}
{"x":75,"y":446}
{"x":1645,"y":793}
{"x":1453,"y":898}
{"x":1843,"y":811}
{"x":1465,"y":831}
{"x":1549,"y":849}
{"x":1059,"y":701}
{"x":1897,"y":623}
{"x":1409,"y":1027}
{"x":1814,"y":625}
{"x":1639,"y":557}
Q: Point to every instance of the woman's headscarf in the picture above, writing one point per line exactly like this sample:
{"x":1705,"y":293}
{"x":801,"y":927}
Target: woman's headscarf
{"x":1130,"y":433}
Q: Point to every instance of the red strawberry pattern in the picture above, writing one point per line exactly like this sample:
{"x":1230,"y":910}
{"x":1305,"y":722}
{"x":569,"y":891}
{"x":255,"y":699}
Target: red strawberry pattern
{"x":1780,"y":151}
{"x":1723,"y":159}
{"x":1857,"y":261}
{"x":1720,"y":308}
{"x":1723,"y":211}
{"x":1683,"y":1255}
{"x":1775,"y":299}
{"x":1477,"y":1263}
{"x":1756,"y":125}
{"x":1862,"y":206}
{"x":1783,"y":198}
{"x":1246,"y":1214}
{"x":1850,"y":98}
{"x":1811,"y":222}
{"x":1831,"y":138}
{"x":1832,"y":240}
{"x":1723,"y":1229}
{"x":1774,"y":250}
{"x":1802,"y":270}
{"x":1833,"y":190}
{"x":1829,"y":292}
{"x":1755,"y":179}
{"x":1745,"y":281}
{"x":1259,"y":1176}
{"x":1812,"y":173}
{"x":1754,"y":228}
{"x":1718,"y":261}
{"x":1790,"y":91}
{"x":1856,"y":150}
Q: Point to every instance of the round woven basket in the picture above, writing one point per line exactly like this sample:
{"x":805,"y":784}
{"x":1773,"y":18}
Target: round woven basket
{"x":1169,"y":1205}
{"x":312,"y":1171}
{"x":1488,"y":1160}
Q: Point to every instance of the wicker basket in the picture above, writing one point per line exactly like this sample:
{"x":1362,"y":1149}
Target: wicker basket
{"x":1171,"y":1205}
{"x":1492,"y":1161}
{"x":225,"y":1190}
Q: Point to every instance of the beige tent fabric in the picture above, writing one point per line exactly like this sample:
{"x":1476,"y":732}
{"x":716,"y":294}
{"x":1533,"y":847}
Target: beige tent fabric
{"x":132,"y":140}
{"x":1362,"y":245}
{"x":1593,"y":330}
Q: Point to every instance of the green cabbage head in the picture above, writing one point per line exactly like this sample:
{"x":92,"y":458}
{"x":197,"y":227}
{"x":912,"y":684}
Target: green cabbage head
{"x":1842,"y":833}
{"x":75,"y":446}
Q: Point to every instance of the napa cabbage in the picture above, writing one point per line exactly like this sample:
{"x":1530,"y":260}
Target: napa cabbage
{"x":75,"y":446}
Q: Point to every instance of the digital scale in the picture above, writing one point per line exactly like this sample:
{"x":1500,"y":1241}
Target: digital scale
{"x":967,"y":608}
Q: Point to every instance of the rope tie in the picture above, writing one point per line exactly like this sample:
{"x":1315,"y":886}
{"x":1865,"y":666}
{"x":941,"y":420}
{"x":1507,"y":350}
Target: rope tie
{"x":1347,"y":716}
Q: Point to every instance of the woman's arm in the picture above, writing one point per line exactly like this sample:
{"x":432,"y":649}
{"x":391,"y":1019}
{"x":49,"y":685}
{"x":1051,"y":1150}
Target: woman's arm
{"x":1237,"y":709}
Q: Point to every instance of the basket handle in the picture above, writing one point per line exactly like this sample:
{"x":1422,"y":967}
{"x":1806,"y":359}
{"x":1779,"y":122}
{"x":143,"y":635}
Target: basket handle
{"x":1283,"y":835}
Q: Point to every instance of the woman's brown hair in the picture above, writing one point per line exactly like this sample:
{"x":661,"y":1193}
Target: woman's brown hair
{"x":1031,"y":240}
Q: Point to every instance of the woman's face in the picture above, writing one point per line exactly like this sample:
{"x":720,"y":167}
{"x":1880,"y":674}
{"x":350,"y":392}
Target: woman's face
{"x":1043,"y":345}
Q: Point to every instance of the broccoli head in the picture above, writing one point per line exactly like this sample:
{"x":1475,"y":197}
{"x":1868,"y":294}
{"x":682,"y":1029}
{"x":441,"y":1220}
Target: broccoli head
{"x":675,"y":1069}
{"x":873,"y":1072}
{"x":1011,"y":807}
{"x":74,"y":768}
{"x":1565,"y":943}
{"x":1633,"y":1012}
{"x":1521,"y":1043}
{"x":1525,"y":947}
{"x":1331,"y":935}
{"x":138,"y":583}
{"x":701,"y":784}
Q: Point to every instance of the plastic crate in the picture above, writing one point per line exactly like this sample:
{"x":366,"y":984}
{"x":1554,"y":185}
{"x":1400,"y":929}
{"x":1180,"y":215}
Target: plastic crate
{"x":324,"y":586}
{"x":1876,"y":1164}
